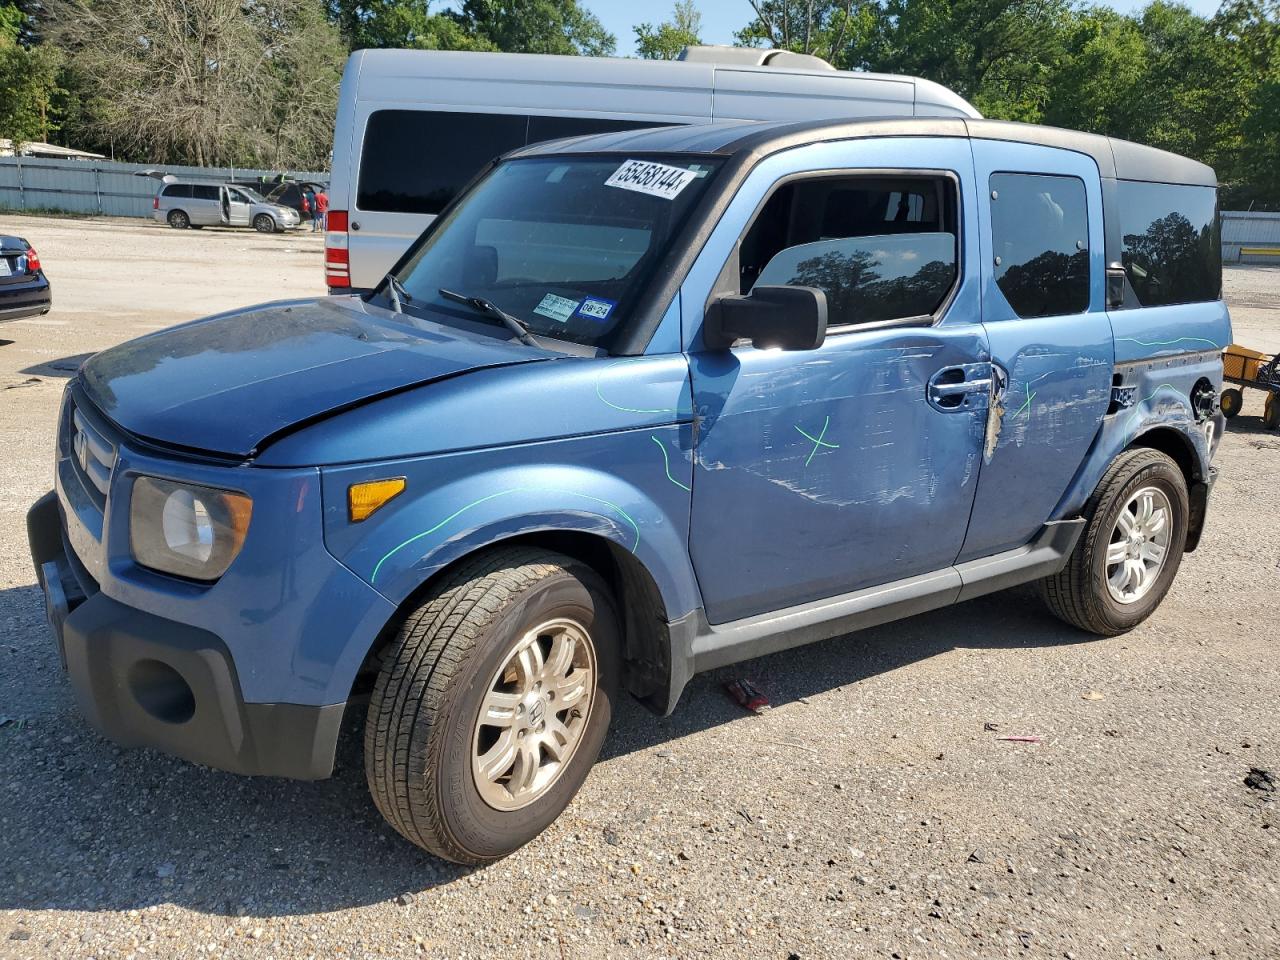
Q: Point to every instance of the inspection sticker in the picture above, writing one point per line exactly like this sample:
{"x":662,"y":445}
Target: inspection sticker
{"x":655,"y":179}
{"x":596,"y":308}
{"x":557,"y":308}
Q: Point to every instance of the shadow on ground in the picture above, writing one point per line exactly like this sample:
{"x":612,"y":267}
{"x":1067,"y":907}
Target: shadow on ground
{"x":91,"y":827}
{"x":63,"y":367}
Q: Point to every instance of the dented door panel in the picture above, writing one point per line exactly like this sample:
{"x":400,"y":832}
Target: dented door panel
{"x":821,"y":472}
{"x":1057,"y":369}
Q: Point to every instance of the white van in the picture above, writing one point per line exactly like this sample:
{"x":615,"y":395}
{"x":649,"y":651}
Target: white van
{"x":413,"y":126}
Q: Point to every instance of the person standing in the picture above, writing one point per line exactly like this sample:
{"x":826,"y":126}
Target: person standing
{"x":321,"y":207}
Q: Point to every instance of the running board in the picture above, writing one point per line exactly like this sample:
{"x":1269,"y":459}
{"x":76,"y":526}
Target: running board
{"x":697,"y":645}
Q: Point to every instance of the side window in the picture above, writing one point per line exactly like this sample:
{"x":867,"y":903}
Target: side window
{"x":403,"y":168}
{"x":180,"y":191}
{"x":1040,"y":239}
{"x":880,"y":249}
{"x":204,"y":191}
{"x":1172,"y":249}
{"x":414,"y":161}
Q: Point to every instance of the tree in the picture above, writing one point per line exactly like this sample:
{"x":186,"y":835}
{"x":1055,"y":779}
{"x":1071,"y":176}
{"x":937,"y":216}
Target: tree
{"x":204,"y":81}
{"x":408,"y":24}
{"x":667,"y":39}
{"x":818,"y":27}
{"x":28,"y":80}
{"x":537,"y":26}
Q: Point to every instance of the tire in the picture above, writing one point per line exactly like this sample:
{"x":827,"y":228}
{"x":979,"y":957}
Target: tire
{"x":1081,"y":593}
{"x":178,"y":219}
{"x":1231,"y":402}
{"x":263,"y":223}
{"x":423,"y":732}
{"x":1271,"y":412}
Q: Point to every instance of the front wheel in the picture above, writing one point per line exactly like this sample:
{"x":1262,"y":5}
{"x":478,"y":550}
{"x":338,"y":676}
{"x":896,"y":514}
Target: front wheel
{"x":492,"y":703}
{"x":264,"y":224}
{"x":1131,"y":547}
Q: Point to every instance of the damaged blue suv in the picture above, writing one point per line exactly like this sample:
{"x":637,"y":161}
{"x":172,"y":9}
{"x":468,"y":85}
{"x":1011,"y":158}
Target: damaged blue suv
{"x":638,"y":405}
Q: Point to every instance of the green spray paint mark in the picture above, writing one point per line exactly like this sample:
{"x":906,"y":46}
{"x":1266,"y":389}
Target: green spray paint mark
{"x":1169,"y":343}
{"x":493,"y":496}
{"x":666,"y":464}
{"x":1027,"y":403}
{"x":818,"y":441}
{"x":609,"y":403}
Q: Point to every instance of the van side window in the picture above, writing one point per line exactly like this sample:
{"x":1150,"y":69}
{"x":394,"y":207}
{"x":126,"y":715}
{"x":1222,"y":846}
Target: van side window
{"x":1040,"y":241}
{"x":414,"y":161}
{"x":204,"y":191}
{"x":879,"y":248}
{"x":1172,"y":251}
{"x":180,"y":191}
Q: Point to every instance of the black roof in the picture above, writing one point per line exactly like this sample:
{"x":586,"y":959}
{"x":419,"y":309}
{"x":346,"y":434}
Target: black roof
{"x":748,"y":140}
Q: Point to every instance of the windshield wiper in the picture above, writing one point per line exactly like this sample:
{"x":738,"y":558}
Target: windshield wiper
{"x":396,"y":293}
{"x":514,"y":324}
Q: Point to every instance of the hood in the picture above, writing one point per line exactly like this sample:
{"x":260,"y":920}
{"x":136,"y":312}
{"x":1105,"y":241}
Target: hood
{"x":229,"y":383}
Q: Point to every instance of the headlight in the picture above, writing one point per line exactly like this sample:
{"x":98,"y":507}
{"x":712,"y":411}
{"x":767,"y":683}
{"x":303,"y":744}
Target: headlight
{"x":186,"y":530}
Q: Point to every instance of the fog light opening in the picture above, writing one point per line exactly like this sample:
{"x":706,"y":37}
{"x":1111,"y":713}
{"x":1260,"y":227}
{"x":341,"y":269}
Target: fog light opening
{"x":160,"y":691}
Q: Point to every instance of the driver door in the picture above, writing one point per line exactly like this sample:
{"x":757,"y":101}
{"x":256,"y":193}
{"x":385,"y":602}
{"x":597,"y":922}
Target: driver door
{"x":821,"y":472}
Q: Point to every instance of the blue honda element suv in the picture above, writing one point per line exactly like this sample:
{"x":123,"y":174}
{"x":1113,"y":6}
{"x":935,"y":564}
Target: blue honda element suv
{"x":638,"y":405}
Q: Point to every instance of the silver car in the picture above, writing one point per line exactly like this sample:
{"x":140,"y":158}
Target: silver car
{"x":183,"y":203}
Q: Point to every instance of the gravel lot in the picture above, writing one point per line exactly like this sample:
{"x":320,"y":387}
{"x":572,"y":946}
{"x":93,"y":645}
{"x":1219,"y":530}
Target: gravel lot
{"x":873,"y":812}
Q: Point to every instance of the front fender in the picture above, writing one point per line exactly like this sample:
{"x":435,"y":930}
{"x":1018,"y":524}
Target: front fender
{"x":455,"y":504}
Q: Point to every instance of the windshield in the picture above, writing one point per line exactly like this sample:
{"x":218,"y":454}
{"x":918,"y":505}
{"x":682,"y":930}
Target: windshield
{"x":566,"y":245}
{"x":253,"y":195}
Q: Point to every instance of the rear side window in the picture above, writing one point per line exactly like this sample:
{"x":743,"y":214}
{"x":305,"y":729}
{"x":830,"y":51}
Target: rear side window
{"x":178,"y":190}
{"x":880,"y":249}
{"x":414,"y":161}
{"x":1040,"y":240}
{"x":204,"y":191}
{"x":1171,"y":249}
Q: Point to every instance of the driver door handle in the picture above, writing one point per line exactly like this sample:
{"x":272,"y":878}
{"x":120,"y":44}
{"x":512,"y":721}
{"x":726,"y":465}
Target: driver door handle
{"x":957,"y":388}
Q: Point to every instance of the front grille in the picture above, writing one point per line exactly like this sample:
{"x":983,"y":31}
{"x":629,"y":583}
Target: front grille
{"x":93,"y":456}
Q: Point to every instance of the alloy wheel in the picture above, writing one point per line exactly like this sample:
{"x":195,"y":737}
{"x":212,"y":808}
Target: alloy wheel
{"x":533,"y":716}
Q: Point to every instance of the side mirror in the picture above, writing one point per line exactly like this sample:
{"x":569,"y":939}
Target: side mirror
{"x":793,"y":318}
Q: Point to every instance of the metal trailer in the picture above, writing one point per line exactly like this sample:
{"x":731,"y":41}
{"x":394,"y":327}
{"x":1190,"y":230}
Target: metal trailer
{"x":1251,"y":368}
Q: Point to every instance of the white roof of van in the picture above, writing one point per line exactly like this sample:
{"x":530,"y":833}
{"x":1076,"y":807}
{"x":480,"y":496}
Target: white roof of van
{"x":672,"y":88}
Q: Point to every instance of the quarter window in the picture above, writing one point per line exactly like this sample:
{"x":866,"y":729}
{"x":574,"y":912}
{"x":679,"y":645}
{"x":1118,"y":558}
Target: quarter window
{"x":879,"y":248}
{"x":414,"y":161}
{"x":1040,"y":238}
{"x":1172,"y":249}
{"x":178,"y":190}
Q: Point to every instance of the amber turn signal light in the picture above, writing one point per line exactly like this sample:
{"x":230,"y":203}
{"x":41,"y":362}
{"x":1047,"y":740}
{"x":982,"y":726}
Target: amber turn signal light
{"x":364,"y":498}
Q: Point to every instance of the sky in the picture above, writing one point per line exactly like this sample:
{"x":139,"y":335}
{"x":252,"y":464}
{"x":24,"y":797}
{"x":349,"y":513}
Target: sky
{"x":720,"y":18}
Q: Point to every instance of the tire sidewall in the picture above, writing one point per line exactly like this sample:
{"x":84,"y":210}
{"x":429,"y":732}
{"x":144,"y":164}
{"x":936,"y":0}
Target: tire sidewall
{"x":1168,"y":478}
{"x":261,"y":219}
{"x":473,"y":824}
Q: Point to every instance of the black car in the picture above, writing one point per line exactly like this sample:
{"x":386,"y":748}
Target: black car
{"x":24,"y":289}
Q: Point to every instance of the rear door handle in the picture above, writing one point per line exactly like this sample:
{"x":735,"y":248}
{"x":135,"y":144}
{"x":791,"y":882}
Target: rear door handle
{"x":966,"y":386}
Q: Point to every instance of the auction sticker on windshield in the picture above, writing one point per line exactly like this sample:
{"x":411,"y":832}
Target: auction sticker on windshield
{"x":655,"y":179}
{"x":557,"y":308}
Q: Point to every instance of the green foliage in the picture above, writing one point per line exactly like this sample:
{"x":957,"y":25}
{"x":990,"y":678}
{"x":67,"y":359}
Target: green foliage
{"x":667,"y":39}
{"x":28,"y":82}
{"x":537,"y":26}
{"x":1206,"y":87}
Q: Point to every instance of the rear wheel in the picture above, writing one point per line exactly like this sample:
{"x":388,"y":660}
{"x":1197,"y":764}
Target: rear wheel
{"x":1131,"y":547}
{"x":179,"y":220}
{"x":492,"y":703}
{"x":1271,"y":412}
{"x":1232,"y":401}
{"x":264,"y":224}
